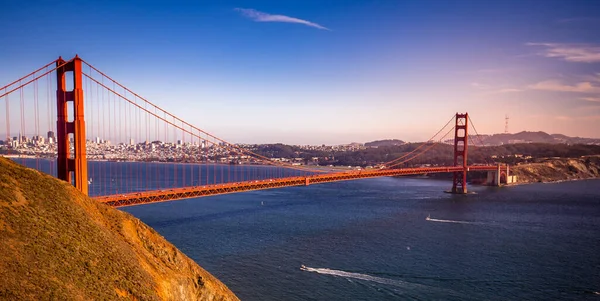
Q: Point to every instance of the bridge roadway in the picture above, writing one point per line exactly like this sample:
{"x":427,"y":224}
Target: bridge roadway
{"x":139,"y":198}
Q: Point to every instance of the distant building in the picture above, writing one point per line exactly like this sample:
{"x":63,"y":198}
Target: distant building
{"x":51,"y":135}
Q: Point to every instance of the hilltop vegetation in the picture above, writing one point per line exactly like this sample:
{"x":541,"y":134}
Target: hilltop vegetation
{"x":558,"y":170}
{"x":532,"y":137}
{"x":58,"y":244}
{"x":440,"y":154}
{"x":386,"y":142}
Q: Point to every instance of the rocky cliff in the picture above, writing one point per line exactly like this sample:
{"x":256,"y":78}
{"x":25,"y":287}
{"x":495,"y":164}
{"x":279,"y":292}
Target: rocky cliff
{"x":551,"y":170}
{"x":57,"y":244}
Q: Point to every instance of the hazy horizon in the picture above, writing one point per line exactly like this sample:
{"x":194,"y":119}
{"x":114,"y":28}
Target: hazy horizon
{"x":2,"y":135}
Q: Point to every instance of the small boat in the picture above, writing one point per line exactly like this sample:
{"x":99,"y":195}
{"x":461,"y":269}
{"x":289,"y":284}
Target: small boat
{"x":428,"y":217}
{"x":303,"y":267}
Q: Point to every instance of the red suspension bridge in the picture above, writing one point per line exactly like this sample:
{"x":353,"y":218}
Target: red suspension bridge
{"x":81,"y":122}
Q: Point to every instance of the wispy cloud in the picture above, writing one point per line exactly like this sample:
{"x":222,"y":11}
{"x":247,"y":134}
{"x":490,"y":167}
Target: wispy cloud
{"x":592,"y":99}
{"x":554,"y":85}
{"x":580,"y":53}
{"x":563,"y":118}
{"x":592,"y":78}
{"x":265,"y":17}
{"x":479,"y":85}
{"x":507,"y":90}
{"x":491,"y":70}
{"x":589,"y":118}
{"x":489,"y":90}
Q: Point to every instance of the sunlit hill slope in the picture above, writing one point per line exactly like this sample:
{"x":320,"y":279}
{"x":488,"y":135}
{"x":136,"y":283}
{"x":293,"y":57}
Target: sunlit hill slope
{"x":56,"y":243}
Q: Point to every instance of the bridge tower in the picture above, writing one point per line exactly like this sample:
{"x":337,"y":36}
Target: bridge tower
{"x":71,"y":168}
{"x":461,"y":143}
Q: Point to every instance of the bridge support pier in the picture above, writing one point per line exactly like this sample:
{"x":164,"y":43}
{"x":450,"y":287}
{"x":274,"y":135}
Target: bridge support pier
{"x":71,"y":167}
{"x":461,"y":141}
{"x":500,"y":176}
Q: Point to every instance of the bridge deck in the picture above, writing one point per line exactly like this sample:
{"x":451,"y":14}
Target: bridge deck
{"x":164,"y":195}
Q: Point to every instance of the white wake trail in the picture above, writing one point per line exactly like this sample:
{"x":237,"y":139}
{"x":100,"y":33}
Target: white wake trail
{"x":451,"y":221}
{"x":408,"y":288}
{"x":392,"y":282}
{"x":358,"y":276}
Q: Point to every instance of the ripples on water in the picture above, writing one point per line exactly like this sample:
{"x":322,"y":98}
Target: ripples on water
{"x":370,"y":240}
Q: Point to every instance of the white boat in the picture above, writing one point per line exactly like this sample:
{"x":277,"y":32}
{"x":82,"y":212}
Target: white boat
{"x":428,"y":217}
{"x":303,"y":267}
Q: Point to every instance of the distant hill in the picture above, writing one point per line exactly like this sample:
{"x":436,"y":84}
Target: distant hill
{"x":530,"y":137}
{"x":58,"y":244}
{"x":387,"y":142}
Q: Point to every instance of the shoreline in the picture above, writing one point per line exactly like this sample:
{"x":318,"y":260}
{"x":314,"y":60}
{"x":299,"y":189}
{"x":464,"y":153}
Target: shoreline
{"x":550,"y":171}
{"x":552,"y":182}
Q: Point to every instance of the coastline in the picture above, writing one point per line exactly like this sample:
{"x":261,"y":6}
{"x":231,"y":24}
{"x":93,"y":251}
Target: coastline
{"x":550,"y":182}
{"x":558,"y":170}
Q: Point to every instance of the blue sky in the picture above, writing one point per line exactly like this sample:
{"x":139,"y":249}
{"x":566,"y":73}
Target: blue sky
{"x":330,"y":71}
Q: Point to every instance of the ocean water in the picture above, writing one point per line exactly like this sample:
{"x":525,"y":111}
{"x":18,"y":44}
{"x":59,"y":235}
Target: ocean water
{"x":371,"y":240}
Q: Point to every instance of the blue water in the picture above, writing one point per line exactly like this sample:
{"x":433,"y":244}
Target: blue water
{"x":370,"y":240}
{"x":109,"y":177}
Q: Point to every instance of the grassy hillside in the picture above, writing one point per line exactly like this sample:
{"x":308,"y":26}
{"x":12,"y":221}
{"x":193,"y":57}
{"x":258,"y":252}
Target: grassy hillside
{"x":57,"y":244}
{"x":562,"y":169}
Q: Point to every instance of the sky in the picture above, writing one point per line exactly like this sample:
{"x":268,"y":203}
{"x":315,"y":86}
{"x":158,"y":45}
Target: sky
{"x":330,"y":72}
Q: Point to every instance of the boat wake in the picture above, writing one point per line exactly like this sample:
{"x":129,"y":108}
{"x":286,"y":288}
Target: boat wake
{"x":364,"y":277}
{"x":403,"y":288}
{"x":450,"y":221}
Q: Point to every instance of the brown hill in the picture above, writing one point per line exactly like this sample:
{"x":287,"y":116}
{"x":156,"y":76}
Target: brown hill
{"x":531,"y":137}
{"x":57,"y":244}
{"x":560,"y":169}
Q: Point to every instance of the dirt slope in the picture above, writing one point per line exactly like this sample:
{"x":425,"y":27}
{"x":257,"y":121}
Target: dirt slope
{"x":57,"y":244}
{"x":552,"y":170}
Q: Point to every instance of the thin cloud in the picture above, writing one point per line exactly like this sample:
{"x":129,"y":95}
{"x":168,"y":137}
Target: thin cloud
{"x":579,"y":53}
{"x":491,"y":91}
{"x":592,"y":78}
{"x":508,"y":90}
{"x":492,"y":70}
{"x":590,"y":117}
{"x":479,"y":85}
{"x":592,"y":99}
{"x":554,"y":85}
{"x":563,"y":118}
{"x":264,"y":17}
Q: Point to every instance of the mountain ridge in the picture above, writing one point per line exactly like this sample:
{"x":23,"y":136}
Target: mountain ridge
{"x":510,"y":138}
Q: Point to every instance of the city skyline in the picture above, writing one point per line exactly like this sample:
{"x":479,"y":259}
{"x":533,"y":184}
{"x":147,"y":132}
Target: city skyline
{"x":306,"y":73}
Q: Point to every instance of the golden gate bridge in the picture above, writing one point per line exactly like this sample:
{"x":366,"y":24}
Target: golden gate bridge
{"x":72,"y":101}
